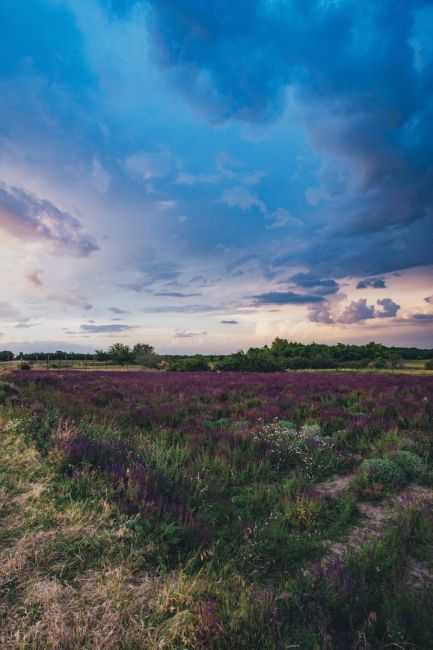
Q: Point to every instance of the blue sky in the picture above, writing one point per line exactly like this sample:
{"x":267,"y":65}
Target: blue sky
{"x":205,"y":176}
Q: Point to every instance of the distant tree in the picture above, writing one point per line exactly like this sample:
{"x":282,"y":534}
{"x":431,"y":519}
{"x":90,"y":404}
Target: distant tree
{"x":429,"y":364}
{"x":144,"y":355}
{"x":101,"y":355}
{"x":395,"y":361}
{"x":143,"y":349}
{"x":119,"y":353}
{"x":6,"y":355}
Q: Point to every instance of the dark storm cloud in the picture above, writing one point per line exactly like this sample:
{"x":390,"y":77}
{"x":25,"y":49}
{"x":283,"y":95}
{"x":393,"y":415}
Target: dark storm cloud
{"x":323,"y":287}
{"x":29,"y":218}
{"x":361,"y":80}
{"x":372,"y":283}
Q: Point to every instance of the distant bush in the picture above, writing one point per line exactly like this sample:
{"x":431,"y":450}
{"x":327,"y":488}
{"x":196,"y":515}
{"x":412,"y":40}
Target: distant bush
{"x":190,"y":364}
{"x":252,"y":361}
{"x":429,"y":364}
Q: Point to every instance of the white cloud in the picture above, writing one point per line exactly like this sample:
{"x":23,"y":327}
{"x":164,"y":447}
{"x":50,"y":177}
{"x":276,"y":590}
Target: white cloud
{"x":149,"y":165}
{"x":99,"y":176}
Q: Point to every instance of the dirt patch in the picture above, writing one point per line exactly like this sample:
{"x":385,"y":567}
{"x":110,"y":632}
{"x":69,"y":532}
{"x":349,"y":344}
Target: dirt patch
{"x":420,"y":573}
{"x":334,"y":486}
{"x":376,"y":516}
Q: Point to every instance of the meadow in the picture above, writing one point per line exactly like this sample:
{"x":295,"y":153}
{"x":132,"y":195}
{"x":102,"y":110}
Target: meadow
{"x":216,"y":510}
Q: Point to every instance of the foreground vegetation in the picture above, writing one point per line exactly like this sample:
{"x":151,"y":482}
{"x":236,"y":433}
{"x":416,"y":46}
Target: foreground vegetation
{"x":228,"y":510}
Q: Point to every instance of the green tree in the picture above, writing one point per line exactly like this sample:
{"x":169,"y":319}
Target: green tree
{"x":101,"y":355}
{"x":119,"y":353}
{"x":144,"y":355}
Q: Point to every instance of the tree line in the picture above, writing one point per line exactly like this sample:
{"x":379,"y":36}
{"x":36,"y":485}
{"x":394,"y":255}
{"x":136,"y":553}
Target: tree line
{"x":280,"y":355}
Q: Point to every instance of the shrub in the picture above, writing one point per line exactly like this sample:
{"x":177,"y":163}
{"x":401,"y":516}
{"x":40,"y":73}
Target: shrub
{"x":285,"y":446}
{"x":376,"y":474}
{"x":412,"y":464}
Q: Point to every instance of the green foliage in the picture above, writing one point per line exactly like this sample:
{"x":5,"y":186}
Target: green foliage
{"x":6,"y":355}
{"x":120,"y":353}
{"x":255,"y":360}
{"x":195,"y":363}
{"x":412,"y":464}
{"x":379,"y":474}
{"x":144,"y":355}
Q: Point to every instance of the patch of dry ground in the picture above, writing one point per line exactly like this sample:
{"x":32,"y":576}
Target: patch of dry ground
{"x":375,"y":516}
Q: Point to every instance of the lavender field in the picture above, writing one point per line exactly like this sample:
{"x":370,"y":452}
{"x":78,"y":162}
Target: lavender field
{"x":223,"y":510}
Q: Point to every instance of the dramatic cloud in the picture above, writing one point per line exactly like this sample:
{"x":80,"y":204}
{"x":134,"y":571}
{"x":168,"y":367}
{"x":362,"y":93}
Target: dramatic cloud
{"x":285,"y":298}
{"x":363,"y":93}
{"x":372,"y":283}
{"x":29,"y":218}
{"x":356,"y":312}
{"x":320,"y":313}
{"x":389,"y":308}
{"x":269,"y":154}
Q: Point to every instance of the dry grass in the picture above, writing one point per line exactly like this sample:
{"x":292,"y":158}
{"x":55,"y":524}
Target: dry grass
{"x":111,"y":606}
{"x":104,"y":611}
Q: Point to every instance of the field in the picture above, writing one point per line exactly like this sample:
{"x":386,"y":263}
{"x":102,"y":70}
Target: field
{"x":216,"y":510}
{"x":408,"y":366}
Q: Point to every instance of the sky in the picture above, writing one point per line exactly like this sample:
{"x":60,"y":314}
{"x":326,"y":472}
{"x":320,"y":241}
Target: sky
{"x":206,"y":175}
